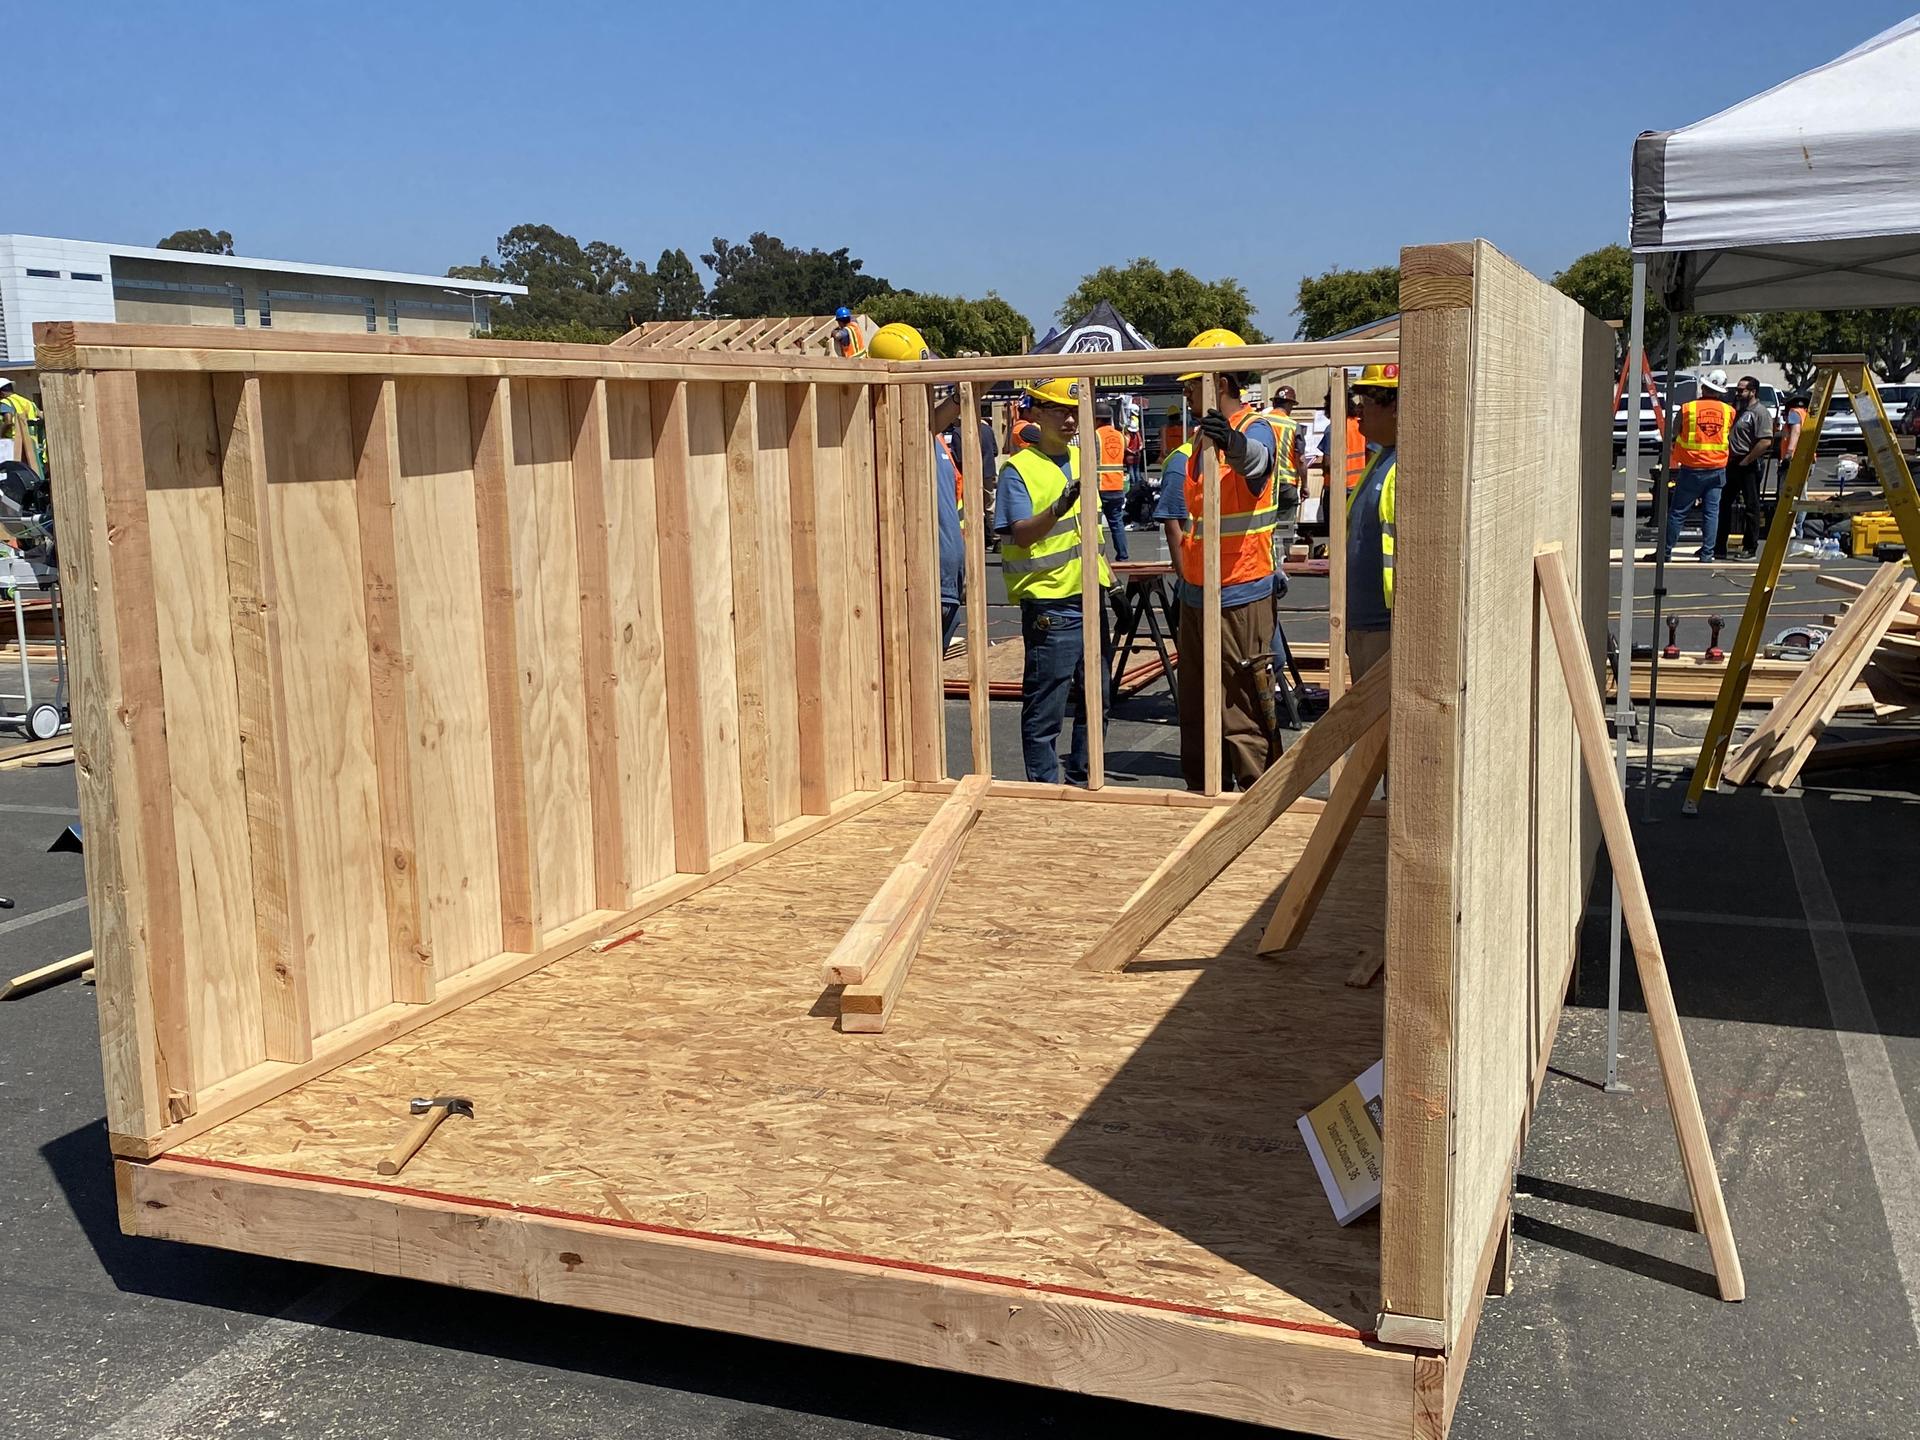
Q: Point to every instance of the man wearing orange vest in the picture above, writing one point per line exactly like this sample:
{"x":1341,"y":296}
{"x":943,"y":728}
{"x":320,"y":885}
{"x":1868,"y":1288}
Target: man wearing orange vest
{"x":1113,"y":476}
{"x":1701,"y":429}
{"x":1256,"y":480}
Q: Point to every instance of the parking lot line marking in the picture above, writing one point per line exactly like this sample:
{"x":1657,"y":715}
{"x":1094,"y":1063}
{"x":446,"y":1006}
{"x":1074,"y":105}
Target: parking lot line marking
{"x":1775,"y":922}
{"x":1884,"y":1124}
{"x":65,"y":907}
{"x":172,"y":1413}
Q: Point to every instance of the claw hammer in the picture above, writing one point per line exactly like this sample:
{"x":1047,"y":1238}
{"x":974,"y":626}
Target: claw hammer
{"x":431,"y":1113}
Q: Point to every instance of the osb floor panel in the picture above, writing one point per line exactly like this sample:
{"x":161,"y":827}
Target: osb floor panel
{"x":1131,"y":1134}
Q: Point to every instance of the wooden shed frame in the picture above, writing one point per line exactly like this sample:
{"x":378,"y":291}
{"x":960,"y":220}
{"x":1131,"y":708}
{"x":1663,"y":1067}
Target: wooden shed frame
{"x":400,"y":676}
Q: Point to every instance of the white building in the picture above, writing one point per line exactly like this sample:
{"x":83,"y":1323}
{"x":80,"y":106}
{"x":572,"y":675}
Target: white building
{"x":43,"y":278}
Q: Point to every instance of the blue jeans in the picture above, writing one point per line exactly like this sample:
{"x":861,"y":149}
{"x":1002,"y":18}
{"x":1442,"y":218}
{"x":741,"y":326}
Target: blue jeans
{"x":1113,"y":505}
{"x":1052,"y":681}
{"x":1690,"y":485}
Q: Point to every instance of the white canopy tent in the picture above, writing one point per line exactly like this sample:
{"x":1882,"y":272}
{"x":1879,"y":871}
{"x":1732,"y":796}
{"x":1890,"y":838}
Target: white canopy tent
{"x":1806,"y":197}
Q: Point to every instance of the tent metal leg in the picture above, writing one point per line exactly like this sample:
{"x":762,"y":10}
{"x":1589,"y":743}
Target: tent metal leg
{"x":1659,"y":558}
{"x":1623,"y":689}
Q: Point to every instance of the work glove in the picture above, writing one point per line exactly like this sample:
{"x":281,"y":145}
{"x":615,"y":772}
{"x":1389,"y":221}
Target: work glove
{"x":1069,"y":497}
{"x":1231,"y":444}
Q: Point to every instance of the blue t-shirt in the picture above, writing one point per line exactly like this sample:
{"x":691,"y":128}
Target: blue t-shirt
{"x":952,"y":554}
{"x":1366,"y":577}
{"x":1173,"y":506}
{"x":1013,"y":503}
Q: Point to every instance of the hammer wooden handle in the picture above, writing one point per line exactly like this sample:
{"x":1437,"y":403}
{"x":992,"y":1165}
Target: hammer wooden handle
{"x":397,"y":1157}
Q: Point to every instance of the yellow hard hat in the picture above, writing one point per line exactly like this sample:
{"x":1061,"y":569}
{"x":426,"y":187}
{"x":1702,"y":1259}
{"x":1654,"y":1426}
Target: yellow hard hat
{"x":898,"y":341}
{"x":1053,"y":392}
{"x":1217,"y":338}
{"x":1379,"y":377}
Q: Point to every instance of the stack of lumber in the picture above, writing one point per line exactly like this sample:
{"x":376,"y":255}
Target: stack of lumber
{"x":1783,"y":743}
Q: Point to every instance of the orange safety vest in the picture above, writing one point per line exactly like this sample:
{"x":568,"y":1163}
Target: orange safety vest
{"x":1790,"y":432}
{"x":1247,"y":520}
{"x":1113,"y":459}
{"x":1172,"y":436}
{"x":854,"y":347}
{"x":1356,"y":453}
{"x":1700,"y":434}
{"x":959,"y":480}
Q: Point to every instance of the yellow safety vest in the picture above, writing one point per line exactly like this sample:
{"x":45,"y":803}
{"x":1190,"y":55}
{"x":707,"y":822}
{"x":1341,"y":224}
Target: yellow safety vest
{"x":1386,"y":517}
{"x":1049,"y":569}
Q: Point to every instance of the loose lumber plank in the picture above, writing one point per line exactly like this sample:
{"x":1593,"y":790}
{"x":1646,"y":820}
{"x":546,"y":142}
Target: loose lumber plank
{"x":853,"y":960}
{"x":54,"y":974}
{"x":809,"y":620}
{"x":1326,"y":1384}
{"x":973,"y":532}
{"x":1663,"y":1018}
{"x":926,"y":707}
{"x":1213,"y":695}
{"x":693,"y":840}
{"x":1838,"y":754}
{"x":376,"y":441}
{"x":1352,"y":791}
{"x":491,"y":403}
{"x":750,"y":579}
{"x":1092,"y":659}
{"x":1812,"y":680}
{"x":241,"y":1093}
{"x":866,"y":1005}
{"x":1797,"y":740}
{"x":592,"y":460}
{"x":130,"y":735}
{"x":1151,"y":912}
{"x":279,"y":906}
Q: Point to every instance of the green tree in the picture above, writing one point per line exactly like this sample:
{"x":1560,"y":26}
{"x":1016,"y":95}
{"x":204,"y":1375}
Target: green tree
{"x":1169,"y":307}
{"x":596,"y":285}
{"x":1602,"y":281}
{"x":1341,"y":299}
{"x":955,"y":326}
{"x":679,"y":293}
{"x":572,"y":332}
{"x":1890,"y":339}
{"x":1791,"y":338}
{"x":201,"y":242}
{"x":767,"y":276}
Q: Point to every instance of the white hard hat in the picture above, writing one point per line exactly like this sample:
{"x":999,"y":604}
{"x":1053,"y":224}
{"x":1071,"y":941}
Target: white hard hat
{"x":1715,"y":380}
{"x":5,"y":383}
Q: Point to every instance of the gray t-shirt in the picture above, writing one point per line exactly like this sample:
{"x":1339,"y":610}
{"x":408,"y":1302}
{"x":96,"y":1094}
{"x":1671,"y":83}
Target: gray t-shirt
{"x":1754,"y":424}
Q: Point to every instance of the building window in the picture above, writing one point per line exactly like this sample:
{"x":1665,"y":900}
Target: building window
{"x":239,"y":298}
{"x":373,"y":324}
{"x":266,"y":309}
{"x":43,"y":274}
{"x":81,"y":275}
{"x":393,"y":317}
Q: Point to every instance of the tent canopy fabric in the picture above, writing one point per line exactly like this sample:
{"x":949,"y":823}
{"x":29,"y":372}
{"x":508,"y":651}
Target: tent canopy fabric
{"x":1101,"y":331}
{"x":1801,"y":198}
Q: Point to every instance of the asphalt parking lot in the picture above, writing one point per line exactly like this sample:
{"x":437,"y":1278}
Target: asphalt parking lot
{"x":1791,"y":925}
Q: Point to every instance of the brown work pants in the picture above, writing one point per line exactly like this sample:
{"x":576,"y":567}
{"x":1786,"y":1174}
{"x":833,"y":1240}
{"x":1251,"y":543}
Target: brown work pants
{"x":1249,"y":728}
{"x":1366,"y":649}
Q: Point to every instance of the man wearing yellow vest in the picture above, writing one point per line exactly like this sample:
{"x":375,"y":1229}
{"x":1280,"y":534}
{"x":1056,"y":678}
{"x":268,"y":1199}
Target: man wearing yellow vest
{"x":1701,"y":431}
{"x":1038,"y":518}
{"x":1257,"y":479}
{"x":1113,"y":476}
{"x":1370,"y":511}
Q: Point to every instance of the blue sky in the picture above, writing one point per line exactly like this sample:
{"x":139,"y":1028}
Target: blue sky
{"x":1012,"y":149}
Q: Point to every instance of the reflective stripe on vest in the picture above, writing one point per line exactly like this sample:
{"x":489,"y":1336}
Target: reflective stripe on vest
{"x":1048,"y":569}
{"x":959,"y":480}
{"x":1247,"y":520}
{"x":1113,"y":458}
{"x":1701,"y":433}
{"x":854,"y":347}
{"x":1386,"y":518}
